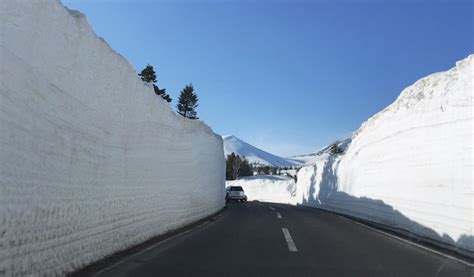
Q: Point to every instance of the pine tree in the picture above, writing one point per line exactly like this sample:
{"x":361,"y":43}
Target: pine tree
{"x":162,"y":93}
{"x":233,"y":165}
{"x":275,"y":170}
{"x":148,"y":74}
{"x":188,"y":102}
{"x":229,"y":167}
{"x":245,"y":168}
{"x":266,"y":170}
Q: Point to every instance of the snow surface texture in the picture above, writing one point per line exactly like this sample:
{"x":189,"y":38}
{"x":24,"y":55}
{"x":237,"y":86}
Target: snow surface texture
{"x":268,"y":188}
{"x":233,"y":144}
{"x":91,"y":160}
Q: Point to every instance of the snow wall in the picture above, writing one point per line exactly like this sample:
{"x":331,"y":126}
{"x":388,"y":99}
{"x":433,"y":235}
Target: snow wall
{"x":91,"y":160}
{"x":410,"y":166}
{"x":274,"y":189}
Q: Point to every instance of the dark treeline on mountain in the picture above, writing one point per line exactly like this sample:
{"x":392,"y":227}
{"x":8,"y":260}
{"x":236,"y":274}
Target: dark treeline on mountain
{"x":264,"y":170}
{"x":187,"y":102}
{"x":335,"y":150}
{"x":237,"y":166}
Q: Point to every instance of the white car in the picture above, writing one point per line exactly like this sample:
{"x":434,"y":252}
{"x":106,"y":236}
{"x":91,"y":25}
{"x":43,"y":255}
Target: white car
{"x":235,"y":193}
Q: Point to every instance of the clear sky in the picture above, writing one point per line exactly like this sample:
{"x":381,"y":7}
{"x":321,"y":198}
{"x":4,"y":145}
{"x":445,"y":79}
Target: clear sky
{"x":286,"y":76}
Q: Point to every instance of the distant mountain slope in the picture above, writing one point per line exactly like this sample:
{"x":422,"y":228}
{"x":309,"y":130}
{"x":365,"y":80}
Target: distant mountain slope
{"x":254,"y":154}
{"x":322,"y":153}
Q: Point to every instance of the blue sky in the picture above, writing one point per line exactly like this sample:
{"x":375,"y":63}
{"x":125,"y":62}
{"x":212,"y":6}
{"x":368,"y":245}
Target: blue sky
{"x":286,"y":76}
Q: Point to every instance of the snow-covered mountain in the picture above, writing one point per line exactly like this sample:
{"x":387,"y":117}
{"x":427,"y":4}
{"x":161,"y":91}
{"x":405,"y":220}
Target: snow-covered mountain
{"x":322,"y":153}
{"x":256,"y":155}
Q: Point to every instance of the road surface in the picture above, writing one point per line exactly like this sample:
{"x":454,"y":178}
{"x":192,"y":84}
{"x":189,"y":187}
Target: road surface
{"x":260,"y":239}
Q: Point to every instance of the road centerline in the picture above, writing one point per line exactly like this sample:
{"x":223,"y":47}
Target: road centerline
{"x":289,"y":240}
{"x":271,"y":208}
{"x":278,"y":215}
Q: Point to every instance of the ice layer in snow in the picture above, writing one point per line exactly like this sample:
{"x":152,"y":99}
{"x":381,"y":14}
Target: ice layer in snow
{"x":91,"y":160}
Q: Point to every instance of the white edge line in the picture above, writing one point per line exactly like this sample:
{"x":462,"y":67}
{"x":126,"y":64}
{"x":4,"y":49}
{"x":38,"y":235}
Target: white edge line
{"x":149,"y":248}
{"x":289,"y":240}
{"x":278,"y":215}
{"x":410,"y":242}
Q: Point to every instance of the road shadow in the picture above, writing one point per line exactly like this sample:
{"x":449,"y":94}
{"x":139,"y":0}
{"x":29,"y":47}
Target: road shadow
{"x":377,"y":212}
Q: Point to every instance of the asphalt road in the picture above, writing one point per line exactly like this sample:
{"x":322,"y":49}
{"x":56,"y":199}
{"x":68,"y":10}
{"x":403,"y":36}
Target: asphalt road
{"x":247,"y":239}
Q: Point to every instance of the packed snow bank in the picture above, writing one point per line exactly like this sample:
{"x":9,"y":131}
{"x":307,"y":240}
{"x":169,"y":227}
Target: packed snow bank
{"x":410,"y":166}
{"x":91,"y":160}
{"x":268,"y":188}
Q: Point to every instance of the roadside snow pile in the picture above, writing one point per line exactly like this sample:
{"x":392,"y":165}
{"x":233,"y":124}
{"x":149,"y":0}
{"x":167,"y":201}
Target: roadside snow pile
{"x":233,"y":144}
{"x":92,"y":161}
{"x":410,"y":166}
{"x":267,"y":188}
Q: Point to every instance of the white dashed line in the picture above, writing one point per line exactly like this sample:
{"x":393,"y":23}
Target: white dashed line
{"x":289,"y":240}
{"x":278,"y":215}
{"x":271,"y":208}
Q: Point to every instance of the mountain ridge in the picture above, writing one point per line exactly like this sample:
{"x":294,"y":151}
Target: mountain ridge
{"x":233,"y":144}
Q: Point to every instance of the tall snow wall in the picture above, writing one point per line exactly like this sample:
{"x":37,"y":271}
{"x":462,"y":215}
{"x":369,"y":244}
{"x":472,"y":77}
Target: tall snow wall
{"x":91,"y":160}
{"x":409,"y":167}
